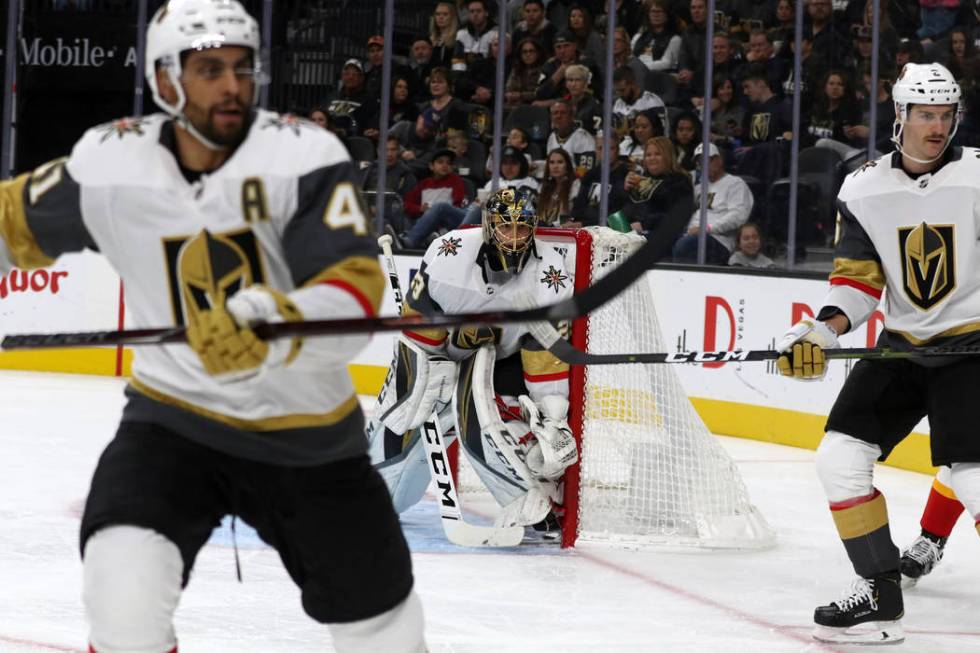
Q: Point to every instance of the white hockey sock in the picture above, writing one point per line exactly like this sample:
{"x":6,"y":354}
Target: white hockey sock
{"x":132,"y":579}
{"x":399,"y":630}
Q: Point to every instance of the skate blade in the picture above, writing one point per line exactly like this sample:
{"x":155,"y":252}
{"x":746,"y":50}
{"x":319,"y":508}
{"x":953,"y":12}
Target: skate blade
{"x":872,"y":633}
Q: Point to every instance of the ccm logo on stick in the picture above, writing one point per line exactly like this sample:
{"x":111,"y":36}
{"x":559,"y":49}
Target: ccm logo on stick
{"x":707,"y":356}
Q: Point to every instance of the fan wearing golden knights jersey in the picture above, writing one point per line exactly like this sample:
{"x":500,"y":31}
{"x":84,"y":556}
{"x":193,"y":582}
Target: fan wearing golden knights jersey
{"x":219,"y":216}
{"x":908,"y":231}
{"x":506,"y":397}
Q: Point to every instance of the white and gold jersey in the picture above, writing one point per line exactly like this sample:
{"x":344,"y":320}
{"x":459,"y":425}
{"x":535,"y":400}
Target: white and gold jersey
{"x":453,"y":279}
{"x":913,"y":243}
{"x":283,"y":211}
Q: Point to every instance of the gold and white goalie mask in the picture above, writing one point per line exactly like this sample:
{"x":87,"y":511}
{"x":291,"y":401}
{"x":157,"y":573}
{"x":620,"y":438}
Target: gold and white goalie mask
{"x":509,"y":220}
{"x":212,"y":269}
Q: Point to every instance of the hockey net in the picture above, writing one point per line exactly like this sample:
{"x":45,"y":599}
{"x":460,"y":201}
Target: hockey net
{"x":650,"y":472}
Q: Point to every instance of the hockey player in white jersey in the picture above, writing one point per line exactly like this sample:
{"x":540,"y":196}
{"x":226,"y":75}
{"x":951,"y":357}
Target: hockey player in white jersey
{"x":218,"y":216}
{"x":506,"y":397}
{"x":909,"y":229}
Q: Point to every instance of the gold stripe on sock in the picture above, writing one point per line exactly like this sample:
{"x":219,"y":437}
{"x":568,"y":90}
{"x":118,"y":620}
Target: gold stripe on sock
{"x":861,"y":519}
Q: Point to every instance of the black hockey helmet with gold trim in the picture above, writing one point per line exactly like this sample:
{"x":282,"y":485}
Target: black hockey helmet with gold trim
{"x":509,"y":220}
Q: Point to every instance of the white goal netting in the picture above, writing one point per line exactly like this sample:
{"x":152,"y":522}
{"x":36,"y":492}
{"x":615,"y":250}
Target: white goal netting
{"x":650,"y":471}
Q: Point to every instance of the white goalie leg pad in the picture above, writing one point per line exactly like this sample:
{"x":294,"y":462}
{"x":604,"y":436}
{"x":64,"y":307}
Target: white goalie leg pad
{"x":399,"y":630}
{"x":504,"y":470}
{"x":132,"y":579}
{"x":429,"y":384}
{"x":845,"y":466}
{"x":966,"y":484}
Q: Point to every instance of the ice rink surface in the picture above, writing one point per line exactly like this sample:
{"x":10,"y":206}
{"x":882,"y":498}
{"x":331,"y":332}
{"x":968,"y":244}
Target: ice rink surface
{"x":596,"y":599}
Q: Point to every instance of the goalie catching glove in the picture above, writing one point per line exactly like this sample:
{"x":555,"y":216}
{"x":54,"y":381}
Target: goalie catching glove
{"x":801,"y":349}
{"x":555,"y":447}
{"x":223,"y":338}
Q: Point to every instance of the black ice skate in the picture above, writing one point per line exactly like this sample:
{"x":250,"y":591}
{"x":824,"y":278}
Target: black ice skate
{"x":921,"y":557}
{"x":869,"y":612}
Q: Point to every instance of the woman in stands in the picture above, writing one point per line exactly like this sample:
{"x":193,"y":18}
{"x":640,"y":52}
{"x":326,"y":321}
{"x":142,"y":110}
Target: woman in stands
{"x":645,"y":125}
{"x":580,"y":24}
{"x":587,"y":110}
{"x":442,"y":100}
{"x":835,"y":114}
{"x":959,"y":58}
{"x":523,"y":82}
{"x":658,"y":44}
{"x":785,"y":23}
{"x":727,"y":115}
{"x":686,"y":135}
{"x":442,"y":33}
{"x":661,"y":197}
{"x":558,"y":190}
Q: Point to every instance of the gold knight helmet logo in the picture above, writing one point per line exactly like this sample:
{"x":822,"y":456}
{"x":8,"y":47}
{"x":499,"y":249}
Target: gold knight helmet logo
{"x":928,"y":263}
{"x":211,"y":268}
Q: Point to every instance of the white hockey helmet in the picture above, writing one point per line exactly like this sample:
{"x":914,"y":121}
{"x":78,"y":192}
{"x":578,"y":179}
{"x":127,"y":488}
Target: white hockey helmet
{"x":928,"y":83}
{"x":183,"y":25}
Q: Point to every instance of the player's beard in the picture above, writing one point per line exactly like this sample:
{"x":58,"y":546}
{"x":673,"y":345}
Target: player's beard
{"x":229,"y":137}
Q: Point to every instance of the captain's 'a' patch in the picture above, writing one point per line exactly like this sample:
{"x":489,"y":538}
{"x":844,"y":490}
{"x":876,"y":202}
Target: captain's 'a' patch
{"x":928,"y":263}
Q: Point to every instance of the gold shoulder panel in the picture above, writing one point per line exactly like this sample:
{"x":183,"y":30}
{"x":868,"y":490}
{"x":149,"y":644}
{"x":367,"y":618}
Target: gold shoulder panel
{"x":14,"y":229}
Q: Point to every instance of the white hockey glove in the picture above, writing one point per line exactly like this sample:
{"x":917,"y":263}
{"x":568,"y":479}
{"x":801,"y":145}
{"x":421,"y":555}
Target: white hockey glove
{"x":431,"y":386}
{"x":802,"y":348}
{"x":223,"y":338}
{"x":555,"y":447}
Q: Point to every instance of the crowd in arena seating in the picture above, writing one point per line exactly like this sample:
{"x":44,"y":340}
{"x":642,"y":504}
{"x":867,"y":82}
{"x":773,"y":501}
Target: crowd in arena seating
{"x":439,"y":150}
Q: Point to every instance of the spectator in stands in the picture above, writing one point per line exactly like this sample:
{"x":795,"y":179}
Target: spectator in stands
{"x":318,"y":114}
{"x":586,"y":205}
{"x":728,"y":115}
{"x":517,"y":138}
{"x":661,"y":194}
{"x":631,"y":99}
{"x":725,"y":64}
{"x":469,"y":161}
{"x":522,"y":83}
{"x":623,"y":56}
{"x":478,"y":84}
{"x":401,"y":107}
{"x":937,"y":18}
{"x":959,"y":57}
{"x":437,"y":201}
{"x":658,"y":43}
{"x":350,"y":106}
{"x":784,"y":25}
{"x":535,"y":25}
{"x":645,"y":125}
{"x":691,"y":55}
{"x":829,"y":42}
{"x":686,"y":137}
{"x":558,"y":189}
{"x":729,"y":206}
{"x":885,"y":111}
{"x":372,"y":68}
{"x":748,"y":249}
{"x":442,"y":101}
{"x":836,"y":109}
{"x":853,"y":146}
{"x":767,"y":126}
{"x":580,"y":25}
{"x":443,"y":28}
{"x":587,"y":110}
{"x":399,"y":178}
{"x":861,"y":48}
{"x":762,"y":51}
{"x":514,"y":172}
{"x":629,"y":14}
{"x":420,"y":62}
{"x":419,"y":140}
{"x":552,"y":83}
{"x":909,"y":51}
{"x":813,"y":68}
{"x":888,"y":37}
{"x":473,"y":40}
{"x":566,"y":134}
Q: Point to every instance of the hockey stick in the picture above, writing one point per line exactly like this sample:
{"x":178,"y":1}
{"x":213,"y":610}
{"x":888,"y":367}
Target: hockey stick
{"x":575,"y":306}
{"x":457,"y":530}
{"x":564,"y":351}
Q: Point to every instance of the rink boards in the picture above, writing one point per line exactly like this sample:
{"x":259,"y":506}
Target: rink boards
{"x":698,"y":310}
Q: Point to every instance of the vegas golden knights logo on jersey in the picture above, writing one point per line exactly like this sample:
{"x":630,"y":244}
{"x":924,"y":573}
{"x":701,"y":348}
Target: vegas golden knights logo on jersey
{"x":208,"y":268}
{"x":759,"y":128}
{"x":928,"y":263}
{"x":476,"y":336}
